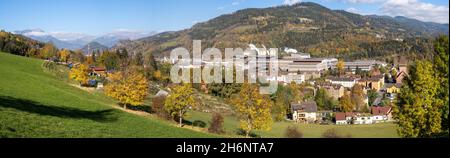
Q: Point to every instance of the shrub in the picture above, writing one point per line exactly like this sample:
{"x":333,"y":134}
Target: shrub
{"x":158,"y":107}
{"x":333,"y":133}
{"x":216,"y":124}
{"x":293,"y":132}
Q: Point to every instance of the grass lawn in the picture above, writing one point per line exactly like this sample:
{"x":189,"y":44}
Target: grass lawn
{"x":231,"y":124}
{"x":37,"y":104}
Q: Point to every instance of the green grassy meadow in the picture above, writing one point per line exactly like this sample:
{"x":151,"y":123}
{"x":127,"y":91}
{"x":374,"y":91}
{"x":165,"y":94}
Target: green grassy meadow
{"x":231,"y":124}
{"x":36,"y":104}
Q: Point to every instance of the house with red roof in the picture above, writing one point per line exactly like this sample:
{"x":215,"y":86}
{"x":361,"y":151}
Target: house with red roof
{"x":344,"y":118}
{"x":98,"y":71}
{"x":381,"y":114}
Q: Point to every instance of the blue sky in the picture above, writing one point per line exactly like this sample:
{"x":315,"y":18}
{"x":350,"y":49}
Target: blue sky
{"x":101,"y":16}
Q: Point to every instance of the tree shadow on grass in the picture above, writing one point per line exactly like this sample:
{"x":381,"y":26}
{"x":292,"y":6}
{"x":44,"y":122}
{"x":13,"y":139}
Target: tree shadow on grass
{"x":241,"y":132}
{"x":57,"y":111}
{"x":196,"y":123}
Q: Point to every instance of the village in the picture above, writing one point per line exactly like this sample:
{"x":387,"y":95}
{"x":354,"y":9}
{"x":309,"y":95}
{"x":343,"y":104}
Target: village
{"x":319,"y":73}
{"x":376,"y":76}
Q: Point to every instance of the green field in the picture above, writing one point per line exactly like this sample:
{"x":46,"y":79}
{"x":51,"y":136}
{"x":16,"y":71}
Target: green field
{"x":34,"y":103}
{"x":382,"y":130}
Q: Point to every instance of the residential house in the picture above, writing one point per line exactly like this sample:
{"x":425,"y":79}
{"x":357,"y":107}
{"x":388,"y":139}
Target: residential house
{"x":374,"y":82}
{"x":334,"y":90}
{"x":381,"y":114}
{"x":403,"y":71}
{"x":287,"y":78}
{"x":393,"y":88}
{"x":340,"y":118}
{"x":305,"y":112}
{"x":361,"y":119}
{"x":98,"y":71}
{"x":343,"y":118}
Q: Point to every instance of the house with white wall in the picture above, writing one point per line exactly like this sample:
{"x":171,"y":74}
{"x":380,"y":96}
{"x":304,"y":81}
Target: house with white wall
{"x":305,"y":112}
{"x":347,"y":82}
{"x":381,"y":114}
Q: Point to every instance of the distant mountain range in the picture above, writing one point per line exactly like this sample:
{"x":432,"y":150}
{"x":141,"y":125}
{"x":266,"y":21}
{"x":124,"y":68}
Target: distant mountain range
{"x":75,"y":41}
{"x":307,"y":27}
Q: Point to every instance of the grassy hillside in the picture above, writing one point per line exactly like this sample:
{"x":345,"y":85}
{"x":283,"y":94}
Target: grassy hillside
{"x":34,"y":103}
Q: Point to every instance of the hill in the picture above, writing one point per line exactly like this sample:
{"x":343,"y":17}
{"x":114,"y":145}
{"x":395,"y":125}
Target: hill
{"x":307,"y":27}
{"x":93,"y":47}
{"x":19,"y":45}
{"x":34,"y":103}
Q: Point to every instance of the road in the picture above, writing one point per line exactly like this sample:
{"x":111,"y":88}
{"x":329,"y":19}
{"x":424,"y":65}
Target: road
{"x":379,"y":98}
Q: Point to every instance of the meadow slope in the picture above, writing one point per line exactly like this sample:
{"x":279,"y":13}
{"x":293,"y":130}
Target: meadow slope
{"x":37,"y":104}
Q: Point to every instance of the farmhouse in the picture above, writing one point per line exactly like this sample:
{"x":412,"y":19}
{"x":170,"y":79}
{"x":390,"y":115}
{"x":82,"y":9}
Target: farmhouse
{"x":305,"y":112}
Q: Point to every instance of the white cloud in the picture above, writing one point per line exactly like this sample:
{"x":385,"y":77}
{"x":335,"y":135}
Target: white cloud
{"x":36,"y":33}
{"x":291,"y":2}
{"x":362,"y":1}
{"x":417,"y":10}
{"x":69,"y":36}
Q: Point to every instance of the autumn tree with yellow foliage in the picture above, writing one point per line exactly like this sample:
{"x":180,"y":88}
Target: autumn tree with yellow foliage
{"x":129,"y":88}
{"x":64,"y":55}
{"x":48,"y":51}
{"x":340,"y":66}
{"x":181,"y":98}
{"x":253,"y":108}
{"x":346,"y":104}
{"x":80,"y":74}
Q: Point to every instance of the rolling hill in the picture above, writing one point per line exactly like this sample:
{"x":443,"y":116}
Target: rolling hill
{"x":307,"y":27}
{"x":36,"y":104}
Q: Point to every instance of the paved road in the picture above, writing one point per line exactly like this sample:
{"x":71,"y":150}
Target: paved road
{"x":379,"y":98}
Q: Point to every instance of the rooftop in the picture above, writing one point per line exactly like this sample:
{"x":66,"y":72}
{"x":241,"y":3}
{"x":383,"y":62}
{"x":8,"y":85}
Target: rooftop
{"x":345,"y":79}
{"x":377,"y":110}
{"x":309,"y":106}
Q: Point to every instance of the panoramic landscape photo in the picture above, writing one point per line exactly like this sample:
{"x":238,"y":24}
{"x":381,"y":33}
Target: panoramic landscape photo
{"x":224,"y":69}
